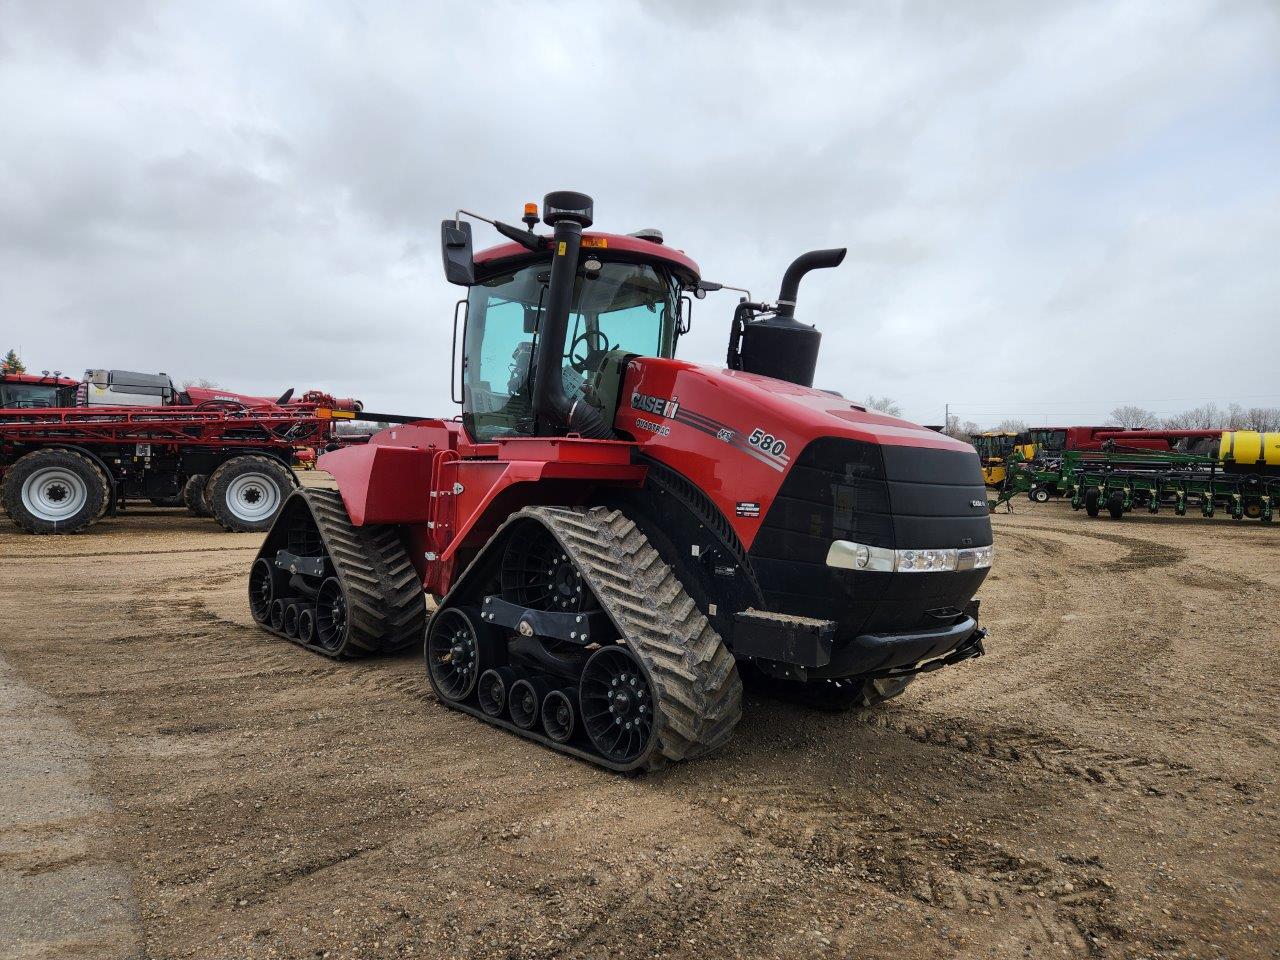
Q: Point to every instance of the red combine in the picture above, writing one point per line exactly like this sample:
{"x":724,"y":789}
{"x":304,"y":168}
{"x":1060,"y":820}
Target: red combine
{"x":613,"y":536}
{"x":72,"y":451}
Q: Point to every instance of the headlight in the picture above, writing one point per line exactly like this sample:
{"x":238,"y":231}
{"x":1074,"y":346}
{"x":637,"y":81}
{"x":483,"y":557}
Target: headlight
{"x":859,"y":556}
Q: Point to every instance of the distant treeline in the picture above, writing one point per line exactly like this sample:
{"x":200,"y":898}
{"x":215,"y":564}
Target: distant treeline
{"x":1234,"y":416}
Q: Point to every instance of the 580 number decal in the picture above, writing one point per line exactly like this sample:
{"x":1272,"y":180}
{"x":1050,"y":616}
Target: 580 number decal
{"x":767,"y":442}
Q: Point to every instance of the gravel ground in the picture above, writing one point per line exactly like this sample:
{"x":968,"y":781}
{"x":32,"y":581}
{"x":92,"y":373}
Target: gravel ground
{"x":1101,"y":784}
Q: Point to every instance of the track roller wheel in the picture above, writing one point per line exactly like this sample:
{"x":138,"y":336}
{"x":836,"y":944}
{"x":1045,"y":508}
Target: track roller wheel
{"x":331,"y":615}
{"x":276,"y":615}
{"x":558,"y":714}
{"x":453,"y":654}
{"x":290,"y":623}
{"x":492,"y":692}
{"x":617,"y":704}
{"x":526,"y":701}
{"x":307,"y":624}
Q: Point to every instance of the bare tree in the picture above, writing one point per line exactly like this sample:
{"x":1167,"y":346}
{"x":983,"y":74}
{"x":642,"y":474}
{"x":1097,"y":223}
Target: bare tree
{"x":1262,"y":419}
{"x":1208,"y":417}
{"x":1134,"y":417}
{"x":884,"y":405}
{"x":202,"y":382}
{"x":1012,"y":426}
{"x":962,"y":431}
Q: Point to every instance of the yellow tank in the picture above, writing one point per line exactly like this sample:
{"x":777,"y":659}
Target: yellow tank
{"x":1248,"y":448}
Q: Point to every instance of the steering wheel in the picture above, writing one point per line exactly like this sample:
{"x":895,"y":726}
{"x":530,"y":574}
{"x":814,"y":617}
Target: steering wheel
{"x":586,"y":337}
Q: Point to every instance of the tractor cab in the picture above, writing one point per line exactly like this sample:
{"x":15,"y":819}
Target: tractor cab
{"x":25,"y":391}
{"x":552,"y":321}
{"x":619,"y":309}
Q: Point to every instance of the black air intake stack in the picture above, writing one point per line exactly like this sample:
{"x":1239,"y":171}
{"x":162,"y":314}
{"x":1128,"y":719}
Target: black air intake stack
{"x":568,"y":213}
{"x":779,"y":345}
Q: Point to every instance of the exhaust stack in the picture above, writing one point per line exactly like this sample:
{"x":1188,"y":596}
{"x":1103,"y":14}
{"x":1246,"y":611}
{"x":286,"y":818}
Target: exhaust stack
{"x":779,"y":345}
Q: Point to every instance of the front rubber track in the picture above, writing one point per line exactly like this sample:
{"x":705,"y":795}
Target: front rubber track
{"x":697,"y":691}
{"x":386,"y":607}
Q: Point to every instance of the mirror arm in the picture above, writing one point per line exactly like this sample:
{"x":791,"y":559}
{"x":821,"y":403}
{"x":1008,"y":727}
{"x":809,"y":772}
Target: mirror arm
{"x":526,"y":238}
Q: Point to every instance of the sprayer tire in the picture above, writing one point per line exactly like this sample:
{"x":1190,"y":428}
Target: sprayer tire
{"x":55,"y":491}
{"x":246,"y":493}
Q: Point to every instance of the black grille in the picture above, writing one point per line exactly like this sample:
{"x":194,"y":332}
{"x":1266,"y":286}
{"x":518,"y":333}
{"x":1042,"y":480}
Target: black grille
{"x":840,"y":489}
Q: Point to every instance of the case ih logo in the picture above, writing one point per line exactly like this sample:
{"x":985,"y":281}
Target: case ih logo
{"x":659,"y":406}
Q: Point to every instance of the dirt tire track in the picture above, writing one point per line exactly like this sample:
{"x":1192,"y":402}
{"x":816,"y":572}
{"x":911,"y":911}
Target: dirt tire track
{"x":1069,"y":794}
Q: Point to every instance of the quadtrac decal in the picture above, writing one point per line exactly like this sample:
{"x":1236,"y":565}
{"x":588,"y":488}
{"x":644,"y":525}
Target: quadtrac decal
{"x":660,"y":406}
{"x":748,"y":508}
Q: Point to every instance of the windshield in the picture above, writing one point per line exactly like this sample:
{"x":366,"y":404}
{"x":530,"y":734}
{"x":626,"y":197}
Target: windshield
{"x":28,"y":395}
{"x":628,"y":307}
{"x":1050,"y":440}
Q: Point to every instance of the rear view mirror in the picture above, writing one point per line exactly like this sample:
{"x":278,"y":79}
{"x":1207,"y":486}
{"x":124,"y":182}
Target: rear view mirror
{"x":455,"y":250}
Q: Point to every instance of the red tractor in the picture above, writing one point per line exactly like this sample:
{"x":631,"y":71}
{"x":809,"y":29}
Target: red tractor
{"x":614,"y":537}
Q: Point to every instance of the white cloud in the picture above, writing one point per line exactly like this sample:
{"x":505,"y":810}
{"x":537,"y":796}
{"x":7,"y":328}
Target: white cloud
{"x":1033,"y":195}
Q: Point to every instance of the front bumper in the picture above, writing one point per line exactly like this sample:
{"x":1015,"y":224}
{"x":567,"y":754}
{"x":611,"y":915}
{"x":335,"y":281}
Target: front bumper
{"x":803,"y":648}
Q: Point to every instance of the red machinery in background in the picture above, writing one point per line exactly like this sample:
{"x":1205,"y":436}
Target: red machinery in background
{"x":69,"y":455}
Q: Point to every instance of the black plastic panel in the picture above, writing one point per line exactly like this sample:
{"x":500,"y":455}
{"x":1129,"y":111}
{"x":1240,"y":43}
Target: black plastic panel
{"x":897,"y":497}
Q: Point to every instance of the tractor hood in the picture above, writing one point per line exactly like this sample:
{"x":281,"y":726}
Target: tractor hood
{"x":742,"y":402}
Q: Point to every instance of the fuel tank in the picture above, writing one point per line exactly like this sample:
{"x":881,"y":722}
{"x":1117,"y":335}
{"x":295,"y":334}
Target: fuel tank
{"x":793,"y":470}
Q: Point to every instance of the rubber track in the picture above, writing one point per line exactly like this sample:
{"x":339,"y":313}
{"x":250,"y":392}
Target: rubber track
{"x":698,"y":690}
{"x":386,"y":609}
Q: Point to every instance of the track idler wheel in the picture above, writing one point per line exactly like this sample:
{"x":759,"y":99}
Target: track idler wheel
{"x":492,"y":690}
{"x":331,"y":615}
{"x":262,"y":589}
{"x":537,"y":573}
{"x":453,"y":654}
{"x":558,"y":714}
{"x":617,"y":704}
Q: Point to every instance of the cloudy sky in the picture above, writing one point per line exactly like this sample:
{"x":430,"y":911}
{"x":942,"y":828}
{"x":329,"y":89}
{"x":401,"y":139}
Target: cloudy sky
{"x":1050,"y":208}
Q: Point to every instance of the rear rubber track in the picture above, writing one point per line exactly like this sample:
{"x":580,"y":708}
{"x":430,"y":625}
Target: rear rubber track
{"x":386,"y":608}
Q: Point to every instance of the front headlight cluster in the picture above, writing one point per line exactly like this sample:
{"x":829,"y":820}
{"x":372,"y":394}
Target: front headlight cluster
{"x":859,"y":556}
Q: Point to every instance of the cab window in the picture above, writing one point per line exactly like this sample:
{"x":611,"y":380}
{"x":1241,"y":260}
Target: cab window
{"x":623,"y":307}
